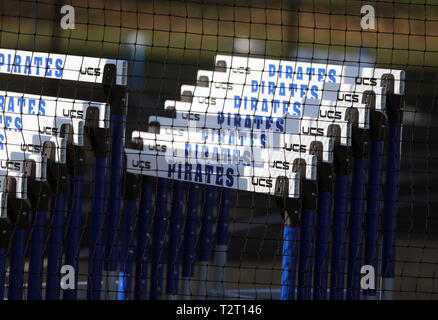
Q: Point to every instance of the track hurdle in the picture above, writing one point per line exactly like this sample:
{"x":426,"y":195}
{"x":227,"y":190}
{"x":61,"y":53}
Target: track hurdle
{"x":69,"y":69}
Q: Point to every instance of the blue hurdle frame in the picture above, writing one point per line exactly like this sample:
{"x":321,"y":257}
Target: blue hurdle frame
{"x":323,"y":220}
{"x":395,"y":107}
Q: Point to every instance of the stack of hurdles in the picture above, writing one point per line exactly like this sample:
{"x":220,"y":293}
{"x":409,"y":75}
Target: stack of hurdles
{"x":44,"y":150}
{"x":312,"y":135}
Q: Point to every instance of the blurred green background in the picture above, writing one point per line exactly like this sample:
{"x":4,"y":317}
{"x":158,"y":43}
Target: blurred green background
{"x":194,"y":31}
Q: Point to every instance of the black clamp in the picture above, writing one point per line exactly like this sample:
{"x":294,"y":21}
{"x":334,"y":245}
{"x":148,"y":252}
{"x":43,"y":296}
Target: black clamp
{"x":135,"y":143}
{"x":170,"y":113}
{"x":378,"y":125}
{"x":388,"y":82}
{"x":131,"y":187}
{"x":394,"y":108}
{"x":57,"y":173}
{"x":18,"y":210}
{"x":291,"y":207}
{"x":117,"y":95}
{"x":38,"y":191}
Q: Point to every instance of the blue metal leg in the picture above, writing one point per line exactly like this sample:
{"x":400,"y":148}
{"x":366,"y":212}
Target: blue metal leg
{"x":289,"y":265}
{"x":205,"y":239}
{"x":143,"y":239}
{"x":322,"y":250}
{"x":94,"y":287}
{"x":118,"y":124}
{"x":17,"y":264}
{"x":190,"y":233}
{"x":339,"y":238}
{"x":56,"y":240}
{"x":175,"y":237}
{"x":305,"y":258}
{"x":37,"y":243}
{"x":356,"y":227}
{"x":127,"y":249}
{"x":158,"y":242}
{"x":74,"y":233}
{"x":390,"y":210}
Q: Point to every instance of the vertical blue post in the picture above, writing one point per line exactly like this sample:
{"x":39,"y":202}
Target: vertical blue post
{"x":322,"y":253}
{"x":3,"y":254}
{"x":339,"y":225}
{"x":118,"y":123}
{"x":322,"y":249}
{"x":57,"y":176}
{"x":95,"y":264}
{"x":390,"y":211}
{"x":305,"y":258}
{"x":127,"y":243}
{"x":355,"y":228}
{"x":5,"y":240}
{"x":339,"y":237}
{"x":189,"y":242}
{"x":205,"y":239}
{"x":221,"y":245}
{"x":360,"y":150}
{"x":17,"y":264}
{"x":373,"y":211}
{"x":175,"y":237}
{"x":133,"y":49}
{"x":74,"y":229}
{"x":158,"y":241}
{"x":289,"y":263}
{"x":37,"y":243}
{"x":39,"y":197}
{"x":290,"y":209}
{"x":395,"y":105}
{"x":143,"y":239}
{"x":18,"y":212}
{"x":56,"y":240}
{"x":375,"y":174}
